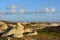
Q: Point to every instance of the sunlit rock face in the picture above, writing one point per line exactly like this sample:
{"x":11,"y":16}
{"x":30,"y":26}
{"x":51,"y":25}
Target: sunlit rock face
{"x":33,"y":33}
{"x":55,"y":24}
{"x":16,"y":31}
{"x":3,"y":27}
{"x":30,"y":32}
{"x":12,"y":25}
{"x":19,"y":31}
{"x":20,"y":27}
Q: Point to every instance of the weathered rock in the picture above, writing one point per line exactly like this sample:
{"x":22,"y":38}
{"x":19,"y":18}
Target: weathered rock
{"x":3,"y":27}
{"x":17,"y":32}
{"x":12,"y":25}
{"x":33,"y":33}
{"x":30,"y":31}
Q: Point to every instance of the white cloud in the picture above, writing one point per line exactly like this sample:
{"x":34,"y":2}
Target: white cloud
{"x":22,"y":10}
{"x":52,"y":10}
{"x":12,"y":9}
{"x":47,"y":10}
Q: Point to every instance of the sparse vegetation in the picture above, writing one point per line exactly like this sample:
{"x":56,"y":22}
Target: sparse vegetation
{"x":50,"y":31}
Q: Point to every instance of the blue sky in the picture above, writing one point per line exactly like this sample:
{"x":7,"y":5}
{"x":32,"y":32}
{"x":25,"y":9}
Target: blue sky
{"x":31,"y":5}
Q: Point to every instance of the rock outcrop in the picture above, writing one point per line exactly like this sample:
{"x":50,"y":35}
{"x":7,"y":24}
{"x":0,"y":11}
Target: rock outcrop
{"x":3,"y":27}
{"x":30,"y":32}
{"x":17,"y":31}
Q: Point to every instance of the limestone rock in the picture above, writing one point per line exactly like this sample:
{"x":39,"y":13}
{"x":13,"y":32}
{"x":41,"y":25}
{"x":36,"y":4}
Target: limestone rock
{"x":30,"y":31}
{"x":17,"y":32}
{"x":12,"y":25}
{"x":3,"y":27}
{"x":33,"y":33}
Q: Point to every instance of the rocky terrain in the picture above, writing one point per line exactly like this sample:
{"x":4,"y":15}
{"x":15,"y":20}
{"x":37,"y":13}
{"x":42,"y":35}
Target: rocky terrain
{"x":29,"y":30}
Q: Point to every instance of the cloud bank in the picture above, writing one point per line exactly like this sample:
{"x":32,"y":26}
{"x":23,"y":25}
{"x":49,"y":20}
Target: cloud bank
{"x":13,"y":10}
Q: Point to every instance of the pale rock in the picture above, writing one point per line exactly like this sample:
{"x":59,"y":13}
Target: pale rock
{"x":3,"y":27}
{"x":17,"y":32}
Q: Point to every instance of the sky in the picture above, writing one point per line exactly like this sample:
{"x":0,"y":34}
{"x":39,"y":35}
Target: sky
{"x":42,"y":10}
